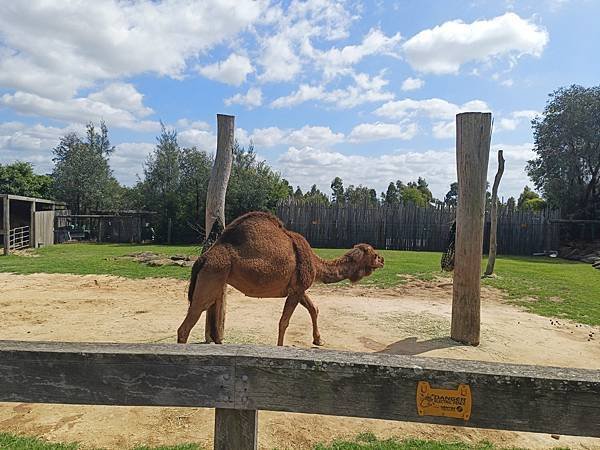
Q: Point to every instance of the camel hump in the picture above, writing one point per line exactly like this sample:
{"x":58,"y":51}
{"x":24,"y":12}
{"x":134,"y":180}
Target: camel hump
{"x":249,"y":224}
{"x":305,"y":269}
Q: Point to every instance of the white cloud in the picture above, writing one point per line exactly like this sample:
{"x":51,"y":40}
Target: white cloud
{"x":309,"y":165}
{"x":233,"y":70}
{"x":123,"y":96}
{"x":379,"y":131}
{"x":127,"y":161}
{"x":250,"y":99}
{"x":279,"y":60}
{"x":32,"y":143}
{"x":50,"y":48}
{"x":366,"y":89}
{"x":337,"y":61}
{"x":515,"y":119}
{"x":411,"y":84}
{"x":197,"y":124}
{"x":289,"y":48}
{"x":77,"y":110}
{"x":434,"y":108}
{"x":203,"y":140}
{"x":508,"y":82}
{"x":445,"y":48}
{"x":307,"y":135}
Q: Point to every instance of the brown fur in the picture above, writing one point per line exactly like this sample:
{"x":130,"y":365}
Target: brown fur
{"x":259,"y":257}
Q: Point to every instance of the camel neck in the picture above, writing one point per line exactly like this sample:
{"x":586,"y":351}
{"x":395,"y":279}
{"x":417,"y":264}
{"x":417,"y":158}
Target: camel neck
{"x":332,"y":270}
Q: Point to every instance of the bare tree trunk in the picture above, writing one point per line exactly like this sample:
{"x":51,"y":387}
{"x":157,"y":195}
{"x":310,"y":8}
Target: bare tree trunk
{"x":215,"y":208}
{"x":494,"y":217}
{"x":473,"y":132}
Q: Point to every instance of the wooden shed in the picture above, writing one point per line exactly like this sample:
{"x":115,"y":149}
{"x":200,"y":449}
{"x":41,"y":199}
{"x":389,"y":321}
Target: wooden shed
{"x":26,"y":222}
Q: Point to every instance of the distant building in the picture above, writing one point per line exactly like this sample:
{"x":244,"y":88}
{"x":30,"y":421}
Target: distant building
{"x":26,"y":222}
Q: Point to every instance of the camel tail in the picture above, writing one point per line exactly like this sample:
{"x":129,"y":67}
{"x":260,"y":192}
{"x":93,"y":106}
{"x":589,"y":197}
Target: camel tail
{"x":196,"y":268}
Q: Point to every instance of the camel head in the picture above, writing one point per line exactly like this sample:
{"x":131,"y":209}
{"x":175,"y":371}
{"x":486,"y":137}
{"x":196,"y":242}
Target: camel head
{"x":362,"y":261}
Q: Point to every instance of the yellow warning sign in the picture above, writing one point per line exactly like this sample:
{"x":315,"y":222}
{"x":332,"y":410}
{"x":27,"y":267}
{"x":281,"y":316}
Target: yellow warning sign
{"x":444,"y":402}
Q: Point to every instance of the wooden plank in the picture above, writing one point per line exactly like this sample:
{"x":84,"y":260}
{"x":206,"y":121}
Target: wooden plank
{"x":473,"y":133}
{"x":236,"y":429}
{"x":116,"y":374}
{"x":505,"y":396}
{"x":510,"y":397}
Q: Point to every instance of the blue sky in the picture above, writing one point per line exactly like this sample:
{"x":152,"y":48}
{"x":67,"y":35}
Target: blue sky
{"x":365,"y":90}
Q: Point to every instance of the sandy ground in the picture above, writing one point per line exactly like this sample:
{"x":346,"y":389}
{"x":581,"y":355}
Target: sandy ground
{"x":411,"y":320}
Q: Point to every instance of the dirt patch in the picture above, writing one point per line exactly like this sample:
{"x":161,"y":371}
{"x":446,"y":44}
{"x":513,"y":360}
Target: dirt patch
{"x":412,"y":319}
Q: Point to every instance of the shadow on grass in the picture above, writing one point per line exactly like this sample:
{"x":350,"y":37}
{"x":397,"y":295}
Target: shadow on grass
{"x":412,"y":346}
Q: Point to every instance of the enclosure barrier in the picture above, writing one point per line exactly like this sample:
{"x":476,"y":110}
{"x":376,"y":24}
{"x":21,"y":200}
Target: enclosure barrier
{"x":18,"y":238}
{"x":240,"y":380}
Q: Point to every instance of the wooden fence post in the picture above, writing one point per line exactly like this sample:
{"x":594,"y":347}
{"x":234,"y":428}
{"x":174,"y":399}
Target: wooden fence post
{"x":236,"y":429}
{"x":169,"y":231}
{"x":215,"y":206}
{"x":473,"y":133}
{"x":494,"y":217}
{"x":6,"y":225}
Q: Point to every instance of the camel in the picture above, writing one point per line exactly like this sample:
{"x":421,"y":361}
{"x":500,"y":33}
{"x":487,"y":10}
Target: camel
{"x":258,"y":256}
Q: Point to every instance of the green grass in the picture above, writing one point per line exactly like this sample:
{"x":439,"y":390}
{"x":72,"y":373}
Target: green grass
{"x":365,"y":441}
{"x":551,"y":287}
{"x":13,"y":442}
{"x":368,"y":441}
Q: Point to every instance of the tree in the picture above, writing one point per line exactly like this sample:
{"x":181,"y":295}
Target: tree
{"x":19,"y":179}
{"x":525,"y":196}
{"x":412,"y":194}
{"x":337,"y":188}
{"x":566,"y":169}
{"x":82,"y":176}
{"x":511,"y":203}
{"x":316,"y":196}
{"x":535,"y":204}
{"x":361,"y":195}
{"x":451,"y":198}
{"x":253,"y":185}
{"x":423,"y":187}
{"x":162,"y":183}
{"x":195,"y":169}
{"x":298,"y":193}
{"x":391,"y":196}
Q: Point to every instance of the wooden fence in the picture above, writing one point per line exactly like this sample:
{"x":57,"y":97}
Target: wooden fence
{"x":240,"y":380}
{"x":411,"y":227}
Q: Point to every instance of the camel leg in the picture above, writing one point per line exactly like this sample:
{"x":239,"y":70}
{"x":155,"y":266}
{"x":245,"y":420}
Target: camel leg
{"x":216,"y":318}
{"x":210,"y":289}
{"x":290,"y":305}
{"x":313,"y":310}
{"x":195,"y":310}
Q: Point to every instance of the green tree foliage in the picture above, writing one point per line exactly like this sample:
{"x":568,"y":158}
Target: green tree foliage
{"x":534,"y":204}
{"x":82,"y":176}
{"x":253,"y":185}
{"x":337,"y":191}
{"x":511,"y":203}
{"x":316,"y":196}
{"x":298,"y":195}
{"x":412,"y":194}
{"x":423,"y":187}
{"x":525,"y":196}
{"x":18,"y":178}
{"x":162,"y":182}
{"x":361,"y":195}
{"x":567,"y":144}
{"x":451,"y":198}
{"x":391,"y":195}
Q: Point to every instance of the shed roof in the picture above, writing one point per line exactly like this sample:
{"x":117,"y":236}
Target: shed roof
{"x":31,"y":199}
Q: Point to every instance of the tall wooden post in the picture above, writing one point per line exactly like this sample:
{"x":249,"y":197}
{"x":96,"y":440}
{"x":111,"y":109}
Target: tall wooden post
{"x":215,"y":207}
{"x":489,"y":270}
{"x":32,"y":225}
{"x":6,"y":225}
{"x":473,"y":133}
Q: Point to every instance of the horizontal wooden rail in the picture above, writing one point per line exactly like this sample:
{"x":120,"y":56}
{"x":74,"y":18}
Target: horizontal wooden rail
{"x":250,"y":378}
